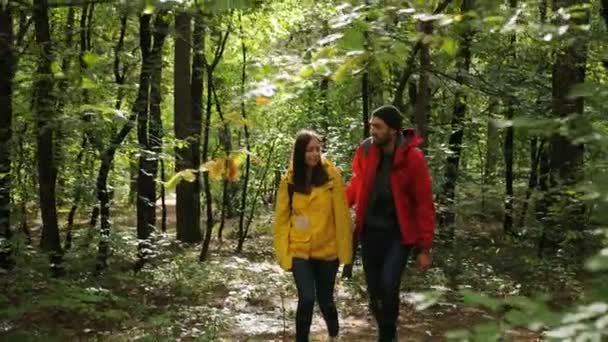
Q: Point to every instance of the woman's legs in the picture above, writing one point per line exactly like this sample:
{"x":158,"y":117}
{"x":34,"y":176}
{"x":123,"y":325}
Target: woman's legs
{"x":303,"y":273}
{"x":325,"y":281}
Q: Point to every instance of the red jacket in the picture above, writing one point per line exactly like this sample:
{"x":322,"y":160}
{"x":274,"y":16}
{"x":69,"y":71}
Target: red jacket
{"x":411,"y":185}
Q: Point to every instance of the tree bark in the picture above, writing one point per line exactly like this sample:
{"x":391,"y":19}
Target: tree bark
{"x":141,"y":102}
{"x":565,"y":156}
{"x":507,"y":226}
{"x":409,"y":64}
{"x":422,"y":107}
{"x":7,"y":70}
{"x":247,"y":145}
{"x":447,"y":217}
{"x":187,"y":207}
{"x":219,"y":51}
{"x":44,"y":99}
{"x":148,"y":134}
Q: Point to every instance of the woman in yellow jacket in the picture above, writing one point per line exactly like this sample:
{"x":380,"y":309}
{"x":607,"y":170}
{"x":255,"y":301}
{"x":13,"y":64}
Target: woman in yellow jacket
{"x":312,"y":231}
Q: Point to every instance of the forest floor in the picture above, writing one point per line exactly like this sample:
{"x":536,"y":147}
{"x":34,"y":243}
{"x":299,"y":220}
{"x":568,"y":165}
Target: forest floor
{"x":247,"y":297}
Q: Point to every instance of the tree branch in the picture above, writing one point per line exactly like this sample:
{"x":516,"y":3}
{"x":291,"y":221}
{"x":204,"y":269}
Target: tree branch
{"x":409,"y":64}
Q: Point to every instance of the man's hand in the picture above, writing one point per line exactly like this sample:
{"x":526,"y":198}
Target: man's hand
{"x":423,"y":261}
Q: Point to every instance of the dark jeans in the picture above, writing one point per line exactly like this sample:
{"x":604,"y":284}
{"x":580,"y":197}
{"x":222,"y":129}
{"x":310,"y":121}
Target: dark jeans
{"x":315,"y":277}
{"x":384,"y":259}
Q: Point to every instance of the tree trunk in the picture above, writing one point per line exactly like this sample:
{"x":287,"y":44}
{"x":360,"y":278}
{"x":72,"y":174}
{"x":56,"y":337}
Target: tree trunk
{"x":247,"y":144}
{"x":141,"y":102}
{"x":409,"y":64}
{"x":77,"y":194}
{"x":44,"y":99}
{"x":566,"y":157}
{"x":491,"y":155}
{"x":7,"y":64}
{"x":226,"y":140}
{"x":535,"y":154}
{"x":507,"y":226}
{"x":448,"y":216}
{"x":219,"y":51}
{"x":149,"y":131}
{"x":259,"y":191}
{"x":423,"y":98}
{"x":206,"y":183}
{"x":187,"y":207}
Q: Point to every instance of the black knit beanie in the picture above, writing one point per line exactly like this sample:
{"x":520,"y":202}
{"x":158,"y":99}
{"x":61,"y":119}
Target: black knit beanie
{"x":390,"y":115}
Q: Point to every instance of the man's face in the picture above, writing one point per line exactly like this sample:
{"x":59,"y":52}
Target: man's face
{"x":381,"y":133}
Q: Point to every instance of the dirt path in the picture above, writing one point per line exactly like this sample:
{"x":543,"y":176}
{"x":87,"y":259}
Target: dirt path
{"x":260,"y":300}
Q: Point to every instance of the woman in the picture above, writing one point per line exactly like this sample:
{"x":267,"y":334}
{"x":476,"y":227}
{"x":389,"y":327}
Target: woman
{"x":312,"y":231}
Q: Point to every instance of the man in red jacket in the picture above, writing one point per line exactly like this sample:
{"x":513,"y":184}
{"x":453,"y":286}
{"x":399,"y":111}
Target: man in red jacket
{"x":395,"y":215}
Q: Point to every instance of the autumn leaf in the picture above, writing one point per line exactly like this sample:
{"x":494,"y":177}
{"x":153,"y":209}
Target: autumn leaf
{"x":262,"y":100}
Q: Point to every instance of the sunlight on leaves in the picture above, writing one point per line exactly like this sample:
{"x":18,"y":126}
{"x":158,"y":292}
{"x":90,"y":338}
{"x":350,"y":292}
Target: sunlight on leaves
{"x":187,"y":175}
{"x":449,"y":45}
{"x":90,"y":58}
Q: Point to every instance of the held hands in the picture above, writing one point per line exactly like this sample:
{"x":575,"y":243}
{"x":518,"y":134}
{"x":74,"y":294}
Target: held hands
{"x":423,"y":261}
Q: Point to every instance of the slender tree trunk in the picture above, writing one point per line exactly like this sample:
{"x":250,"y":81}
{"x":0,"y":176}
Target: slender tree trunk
{"x":423,"y":99}
{"x":226,"y":141}
{"x":7,"y":64}
{"x":43,"y":109}
{"x":409,"y":64}
{"x":77,"y":195}
{"x":103,"y":193}
{"x":491,"y":156}
{"x":22,"y":171}
{"x":508,"y":149}
{"x":259,"y":191}
{"x":535,"y":154}
{"x":247,"y":143}
{"x":448,"y":216}
{"x":219,"y":51}
{"x":206,"y":183}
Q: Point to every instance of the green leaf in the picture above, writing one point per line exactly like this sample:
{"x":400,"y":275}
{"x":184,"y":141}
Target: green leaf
{"x":88,"y":84}
{"x":486,"y":332}
{"x":458,"y":335}
{"x":449,"y":45}
{"x":56,"y":69}
{"x":474,"y":298}
{"x":307,"y":71}
{"x":90,"y":58}
{"x":187,"y":175}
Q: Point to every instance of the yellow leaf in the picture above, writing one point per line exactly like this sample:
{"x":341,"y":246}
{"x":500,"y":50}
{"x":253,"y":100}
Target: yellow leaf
{"x":262,"y":100}
{"x":233,"y":170}
{"x":215,"y":169}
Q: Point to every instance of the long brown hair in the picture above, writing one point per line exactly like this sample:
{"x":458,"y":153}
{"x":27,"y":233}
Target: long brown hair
{"x":319,"y":173}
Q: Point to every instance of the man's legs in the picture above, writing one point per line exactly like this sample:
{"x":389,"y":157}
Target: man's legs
{"x":373,"y":252}
{"x":390,"y":281}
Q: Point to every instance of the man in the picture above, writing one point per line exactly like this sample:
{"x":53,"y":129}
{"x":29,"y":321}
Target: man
{"x":395,"y":215}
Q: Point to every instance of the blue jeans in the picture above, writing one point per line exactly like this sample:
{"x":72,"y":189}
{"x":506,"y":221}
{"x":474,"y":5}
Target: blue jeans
{"x":315,"y":278}
{"x":384,"y":260}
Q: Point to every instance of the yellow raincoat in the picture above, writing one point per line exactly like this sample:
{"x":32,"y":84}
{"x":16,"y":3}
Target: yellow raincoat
{"x":319,"y":226}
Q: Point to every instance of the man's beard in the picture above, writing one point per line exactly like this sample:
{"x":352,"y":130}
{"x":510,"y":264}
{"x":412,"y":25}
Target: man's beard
{"x":380,"y":142}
